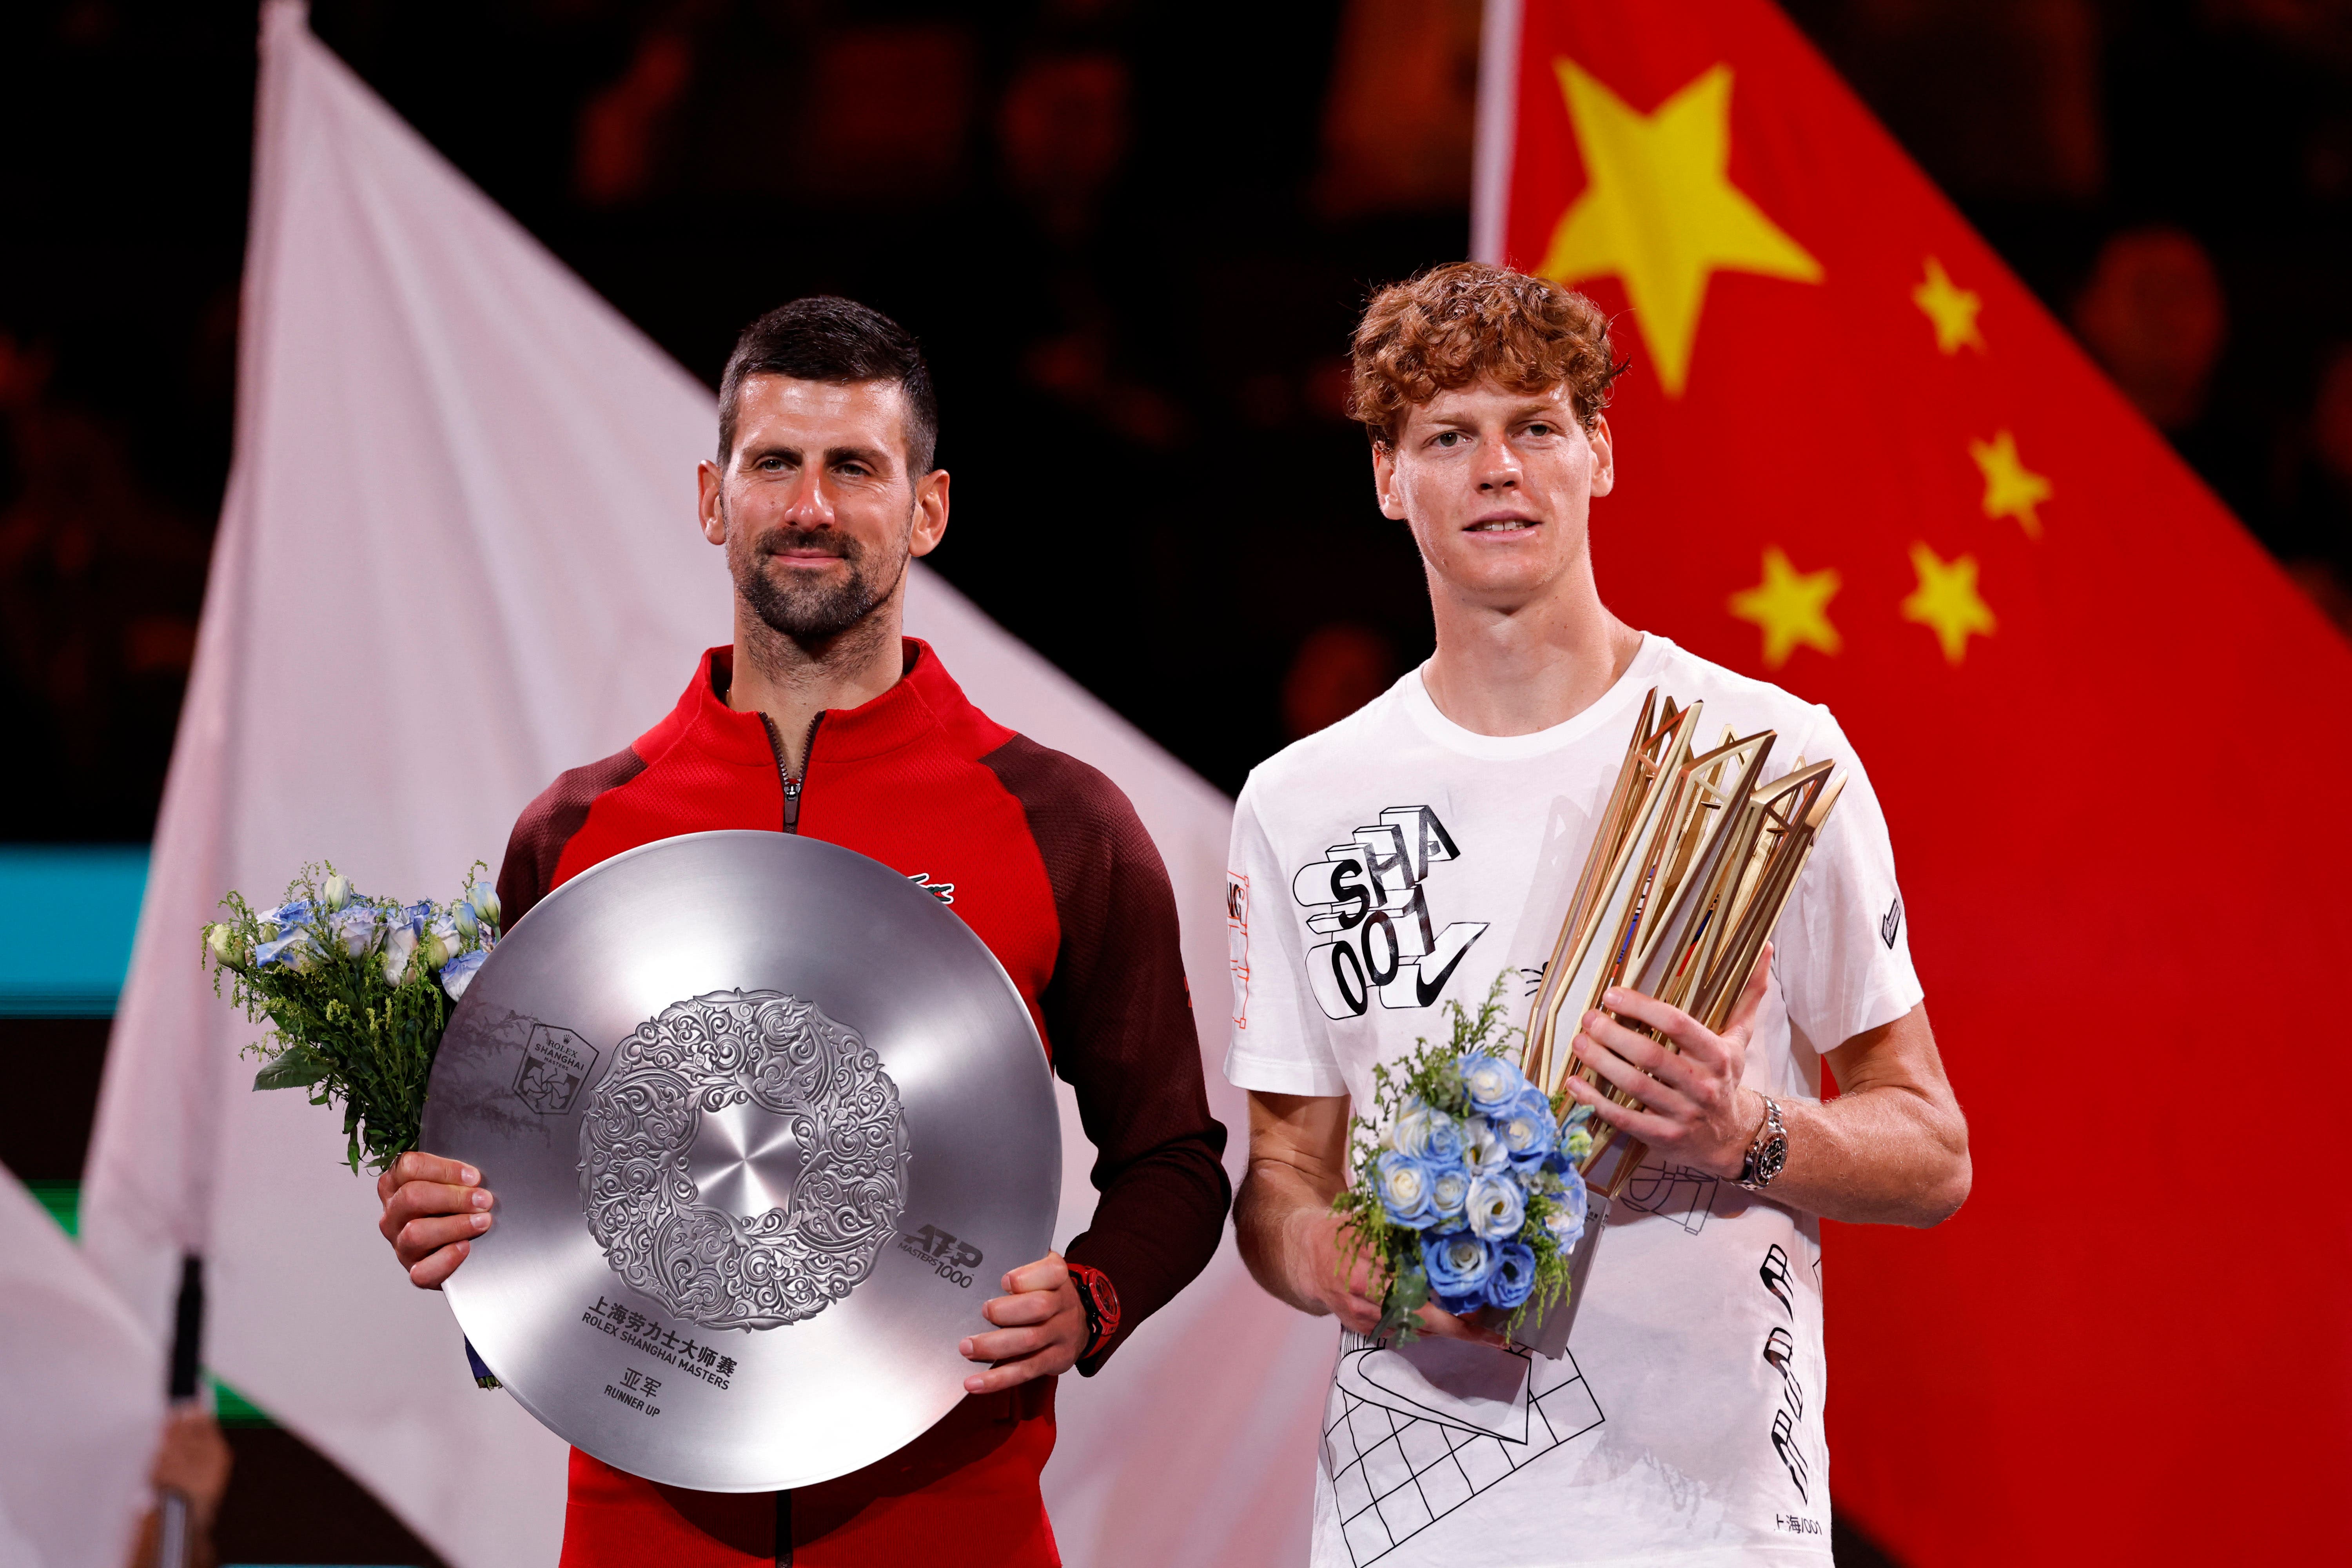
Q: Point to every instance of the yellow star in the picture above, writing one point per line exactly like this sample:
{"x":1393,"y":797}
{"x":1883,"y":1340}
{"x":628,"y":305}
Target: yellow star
{"x":2012,"y":490}
{"x":1659,"y":212}
{"x":1946,"y":601}
{"x":1953,"y":309}
{"x":1792,"y":606}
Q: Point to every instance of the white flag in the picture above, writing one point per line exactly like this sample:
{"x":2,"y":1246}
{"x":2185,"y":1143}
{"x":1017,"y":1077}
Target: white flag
{"x":458,"y":556}
{"x":84,"y":1401}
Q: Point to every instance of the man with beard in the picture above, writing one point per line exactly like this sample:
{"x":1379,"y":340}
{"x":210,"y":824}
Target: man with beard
{"x":821,"y":719}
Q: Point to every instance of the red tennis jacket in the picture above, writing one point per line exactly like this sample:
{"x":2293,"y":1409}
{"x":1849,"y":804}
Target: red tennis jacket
{"x":1044,"y":858}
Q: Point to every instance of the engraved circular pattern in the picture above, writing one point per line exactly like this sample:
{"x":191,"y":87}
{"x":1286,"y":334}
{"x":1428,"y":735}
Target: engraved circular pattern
{"x":718,"y":1270}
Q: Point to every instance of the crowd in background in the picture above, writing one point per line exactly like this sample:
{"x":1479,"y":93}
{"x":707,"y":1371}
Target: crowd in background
{"x":1132,"y":237}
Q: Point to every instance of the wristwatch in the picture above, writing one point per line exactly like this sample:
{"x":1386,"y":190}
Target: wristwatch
{"x":1768,"y":1154}
{"x":1101,"y":1302}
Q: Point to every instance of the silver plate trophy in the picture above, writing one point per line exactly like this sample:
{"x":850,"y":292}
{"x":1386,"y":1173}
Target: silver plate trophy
{"x":766,"y":1123}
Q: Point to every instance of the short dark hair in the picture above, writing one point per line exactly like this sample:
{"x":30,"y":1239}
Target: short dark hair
{"x":827,"y":338}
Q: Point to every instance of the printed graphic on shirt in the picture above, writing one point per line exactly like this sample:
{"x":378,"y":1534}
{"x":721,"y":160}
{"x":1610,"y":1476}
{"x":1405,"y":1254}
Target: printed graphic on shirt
{"x":1237,"y":943}
{"x":1403,"y":1448}
{"x":943,"y":891}
{"x":1891,"y":922}
{"x":1678,"y":1192}
{"x":1780,"y":1355}
{"x":1774,"y":1272}
{"x":1370,"y":898}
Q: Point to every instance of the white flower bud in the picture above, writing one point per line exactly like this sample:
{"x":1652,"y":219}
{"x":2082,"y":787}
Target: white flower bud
{"x":463,"y":914}
{"x":221,"y":938}
{"x":486,"y":903}
{"x":337,"y":892}
{"x":434,"y":950}
{"x":398,"y":949}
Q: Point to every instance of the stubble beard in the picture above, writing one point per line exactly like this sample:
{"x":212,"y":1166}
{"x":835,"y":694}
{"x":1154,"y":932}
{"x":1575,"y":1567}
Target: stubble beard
{"x":813,"y":614}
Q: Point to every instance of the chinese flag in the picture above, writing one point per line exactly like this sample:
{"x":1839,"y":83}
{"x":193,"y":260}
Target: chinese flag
{"x":1855,"y":457}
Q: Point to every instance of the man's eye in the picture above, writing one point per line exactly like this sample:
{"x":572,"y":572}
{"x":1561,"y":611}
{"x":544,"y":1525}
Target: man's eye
{"x":1449,"y":437}
{"x":1540,"y":428}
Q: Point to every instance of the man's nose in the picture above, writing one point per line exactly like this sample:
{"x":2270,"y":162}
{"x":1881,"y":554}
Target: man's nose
{"x":810,"y":506}
{"x":1502,"y":470}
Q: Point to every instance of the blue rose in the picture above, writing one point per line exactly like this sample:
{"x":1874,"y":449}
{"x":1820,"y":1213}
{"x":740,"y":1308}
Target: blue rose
{"x":1446,"y":1139}
{"x":1497,"y":1207}
{"x":1405,"y":1185}
{"x":1514,"y":1276}
{"x":1409,"y":1133}
{"x":1527,"y":1128}
{"x":458,"y":972}
{"x":1457,"y":1263}
{"x":1449,"y":1191}
{"x":1565,"y":1220}
{"x":276,"y":923}
{"x":1493,"y":1082}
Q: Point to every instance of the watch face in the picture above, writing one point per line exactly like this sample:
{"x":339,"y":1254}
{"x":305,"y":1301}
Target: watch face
{"x":1773,"y":1155}
{"x":1106,"y":1298}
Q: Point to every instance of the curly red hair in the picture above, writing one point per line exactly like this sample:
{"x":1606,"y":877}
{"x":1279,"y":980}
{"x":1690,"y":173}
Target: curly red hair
{"x":1466,"y":321}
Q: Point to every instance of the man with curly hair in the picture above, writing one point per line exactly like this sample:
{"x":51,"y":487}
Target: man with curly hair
{"x":1417,"y":850}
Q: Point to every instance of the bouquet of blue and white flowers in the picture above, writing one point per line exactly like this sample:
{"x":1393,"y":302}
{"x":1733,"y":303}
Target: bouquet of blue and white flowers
{"x":356,"y":992}
{"x":1467,"y":1193}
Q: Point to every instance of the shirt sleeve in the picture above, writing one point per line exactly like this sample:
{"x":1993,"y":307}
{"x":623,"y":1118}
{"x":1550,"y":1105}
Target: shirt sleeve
{"x":536,"y":846}
{"x":1119,"y":1018}
{"x":1843,"y":957}
{"x":1279,"y":1042}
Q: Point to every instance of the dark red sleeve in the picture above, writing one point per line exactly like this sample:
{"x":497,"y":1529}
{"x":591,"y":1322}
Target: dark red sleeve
{"x":1120,"y":1021}
{"x":527,"y":873}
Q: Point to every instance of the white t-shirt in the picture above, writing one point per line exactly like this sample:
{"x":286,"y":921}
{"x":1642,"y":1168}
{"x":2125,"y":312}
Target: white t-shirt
{"x":1396,"y":861}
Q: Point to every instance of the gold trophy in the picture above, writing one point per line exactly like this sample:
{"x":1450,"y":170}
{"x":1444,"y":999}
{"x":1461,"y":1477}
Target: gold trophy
{"x":1693,"y":862}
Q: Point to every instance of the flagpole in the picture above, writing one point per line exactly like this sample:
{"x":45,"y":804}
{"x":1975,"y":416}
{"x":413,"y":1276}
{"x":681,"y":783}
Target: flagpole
{"x":1498,"y":109}
{"x":173,"y":1545}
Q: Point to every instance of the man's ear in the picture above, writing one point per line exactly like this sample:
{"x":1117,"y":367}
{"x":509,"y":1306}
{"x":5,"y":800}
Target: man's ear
{"x":707,"y":509}
{"x":1605,"y":456}
{"x":1384,"y":481}
{"x":930,"y":513}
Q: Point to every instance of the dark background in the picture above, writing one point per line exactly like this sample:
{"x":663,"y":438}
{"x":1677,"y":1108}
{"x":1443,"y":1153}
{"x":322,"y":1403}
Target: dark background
{"x":1133,"y":237}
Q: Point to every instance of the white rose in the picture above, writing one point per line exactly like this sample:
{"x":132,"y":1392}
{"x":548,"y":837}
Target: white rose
{"x":1496,"y":1208}
{"x":1483,"y":1149}
{"x":1409,"y":1134}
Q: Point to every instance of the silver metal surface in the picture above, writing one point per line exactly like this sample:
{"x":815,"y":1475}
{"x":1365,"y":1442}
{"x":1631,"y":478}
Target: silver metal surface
{"x":766,"y":1122}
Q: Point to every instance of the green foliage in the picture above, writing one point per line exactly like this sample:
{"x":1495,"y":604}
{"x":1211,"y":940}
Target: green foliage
{"x":354,"y":1014}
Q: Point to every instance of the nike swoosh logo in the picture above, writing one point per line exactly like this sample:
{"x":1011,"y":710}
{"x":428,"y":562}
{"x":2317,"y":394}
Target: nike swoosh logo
{"x":1424,"y":989}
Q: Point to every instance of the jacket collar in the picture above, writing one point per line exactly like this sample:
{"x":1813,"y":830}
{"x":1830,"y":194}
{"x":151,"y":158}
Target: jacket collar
{"x":924,"y":698}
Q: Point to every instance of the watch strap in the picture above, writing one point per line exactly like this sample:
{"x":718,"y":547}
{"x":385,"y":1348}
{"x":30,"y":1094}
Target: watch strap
{"x":1101,"y":1303}
{"x":1767,"y":1152}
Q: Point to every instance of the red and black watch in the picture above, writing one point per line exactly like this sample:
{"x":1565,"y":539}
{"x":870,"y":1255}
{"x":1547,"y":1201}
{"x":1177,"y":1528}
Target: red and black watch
{"x":1101,"y":1302}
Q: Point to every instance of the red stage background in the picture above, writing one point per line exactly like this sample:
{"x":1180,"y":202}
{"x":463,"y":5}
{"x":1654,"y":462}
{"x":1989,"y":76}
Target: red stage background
{"x":1891,"y":483}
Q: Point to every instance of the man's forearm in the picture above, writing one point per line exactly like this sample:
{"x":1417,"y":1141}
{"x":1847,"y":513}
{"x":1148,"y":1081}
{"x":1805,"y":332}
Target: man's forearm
{"x":1271,"y":1215}
{"x":1877,"y":1156}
